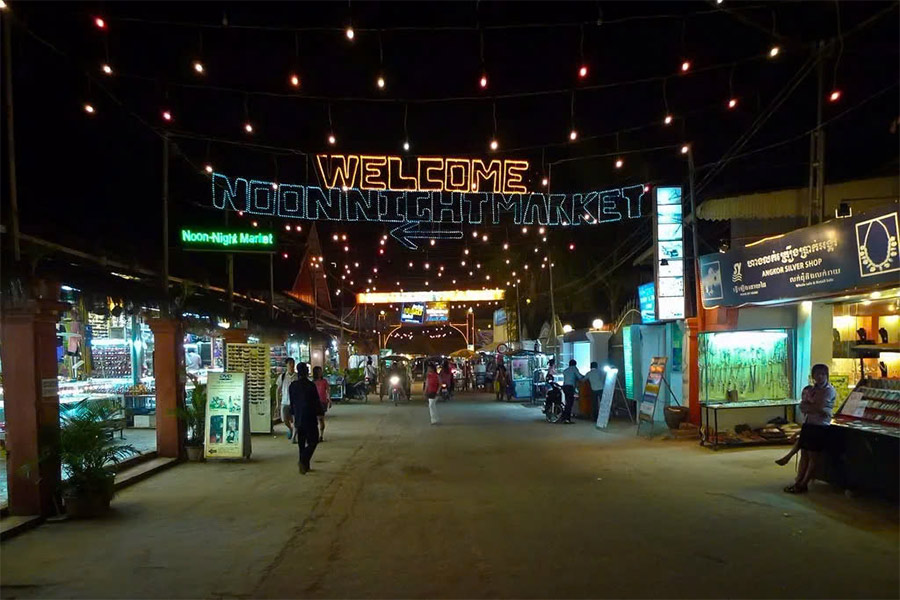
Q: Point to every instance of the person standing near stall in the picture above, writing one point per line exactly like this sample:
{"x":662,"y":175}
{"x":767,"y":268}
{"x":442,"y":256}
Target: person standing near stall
{"x":817,"y":404}
{"x":571,"y":377}
{"x":306,"y":408}
{"x":596,"y":379}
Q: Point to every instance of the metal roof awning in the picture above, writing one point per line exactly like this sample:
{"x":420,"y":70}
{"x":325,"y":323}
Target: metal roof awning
{"x":793,"y":203}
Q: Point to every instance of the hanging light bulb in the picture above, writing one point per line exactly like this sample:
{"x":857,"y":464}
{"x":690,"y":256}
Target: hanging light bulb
{"x":505,"y":246}
{"x":198,"y":67}
{"x":167,"y":115}
{"x":685,"y":66}
{"x":483,"y":81}
{"x":406,"y":146}
{"x":545,"y":182}
{"x":295,"y":80}
{"x":524,"y":230}
{"x":380,"y":82}
{"x":684,"y":149}
{"x":583,"y":71}
{"x":106,"y":69}
{"x":349,"y":32}
{"x":619,"y":163}
{"x":773,"y":51}
{"x":99,"y":23}
{"x":208,"y":168}
{"x":331,"y":139}
{"x":573,"y":135}
{"x":89,"y":109}
{"x":668,"y":120}
{"x":494,"y":145}
{"x":484,"y":238}
{"x":834,"y":96}
{"x":732,"y":102}
{"x":248,"y":127}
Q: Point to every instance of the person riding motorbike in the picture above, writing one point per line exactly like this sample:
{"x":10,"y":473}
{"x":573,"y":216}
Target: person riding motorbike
{"x":446,"y":377}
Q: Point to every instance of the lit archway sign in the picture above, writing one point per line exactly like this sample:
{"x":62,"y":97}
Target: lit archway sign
{"x":437,"y":210}
{"x":429,"y":296}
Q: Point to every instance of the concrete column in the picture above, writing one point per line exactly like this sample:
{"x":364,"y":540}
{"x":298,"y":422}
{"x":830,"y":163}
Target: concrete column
{"x":31,"y":402}
{"x":169,"y":371}
{"x":814,"y":340}
{"x":344,"y":356}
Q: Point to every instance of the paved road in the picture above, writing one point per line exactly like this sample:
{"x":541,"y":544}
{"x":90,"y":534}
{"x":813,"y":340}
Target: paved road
{"x":492,"y":503}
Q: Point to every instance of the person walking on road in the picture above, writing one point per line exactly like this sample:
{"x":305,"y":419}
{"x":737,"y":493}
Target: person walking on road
{"x":432,"y":385}
{"x":596,"y":379}
{"x":284,"y":382}
{"x":306,"y":408}
{"x":371,"y":375}
{"x":571,"y":377}
{"x":322,"y":388}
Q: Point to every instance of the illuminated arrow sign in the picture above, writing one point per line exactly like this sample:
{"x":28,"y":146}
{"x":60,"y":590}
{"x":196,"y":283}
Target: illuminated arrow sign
{"x":406,"y":233}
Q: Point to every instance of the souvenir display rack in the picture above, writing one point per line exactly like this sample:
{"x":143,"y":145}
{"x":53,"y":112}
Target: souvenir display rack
{"x":111,"y":360}
{"x":873,"y":405}
{"x":253,"y":361}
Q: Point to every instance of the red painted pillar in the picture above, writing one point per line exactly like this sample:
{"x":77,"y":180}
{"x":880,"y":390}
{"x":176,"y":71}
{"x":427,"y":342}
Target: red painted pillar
{"x":693,"y":328}
{"x":31,"y":403}
{"x":168,"y":369}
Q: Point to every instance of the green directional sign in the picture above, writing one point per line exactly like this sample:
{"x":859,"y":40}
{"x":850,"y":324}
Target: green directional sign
{"x":227,"y":241}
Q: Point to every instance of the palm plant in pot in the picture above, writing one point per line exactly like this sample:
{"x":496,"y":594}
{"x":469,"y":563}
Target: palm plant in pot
{"x":87,"y":450}
{"x":194,"y":416}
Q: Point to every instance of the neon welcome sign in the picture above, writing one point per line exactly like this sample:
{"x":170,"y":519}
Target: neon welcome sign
{"x":362,"y":190}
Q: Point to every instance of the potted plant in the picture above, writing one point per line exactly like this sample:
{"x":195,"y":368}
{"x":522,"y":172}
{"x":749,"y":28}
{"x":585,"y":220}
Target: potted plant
{"x":194,"y":417}
{"x":87,"y":448}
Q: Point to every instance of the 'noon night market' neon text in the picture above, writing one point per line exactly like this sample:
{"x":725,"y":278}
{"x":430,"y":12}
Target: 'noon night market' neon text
{"x":388,"y":206}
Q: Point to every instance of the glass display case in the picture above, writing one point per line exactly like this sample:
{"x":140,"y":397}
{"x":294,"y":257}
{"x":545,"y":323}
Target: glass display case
{"x":873,"y":405}
{"x":746,"y":366}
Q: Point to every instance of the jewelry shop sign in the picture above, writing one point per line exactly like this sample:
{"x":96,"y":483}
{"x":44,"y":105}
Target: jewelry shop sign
{"x":841,"y":255}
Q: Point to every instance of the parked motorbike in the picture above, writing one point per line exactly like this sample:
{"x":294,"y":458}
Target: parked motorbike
{"x":357,"y":391}
{"x":554,"y":404}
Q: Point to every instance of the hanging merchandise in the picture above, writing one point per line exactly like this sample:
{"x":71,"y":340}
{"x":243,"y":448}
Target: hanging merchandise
{"x":253,"y":361}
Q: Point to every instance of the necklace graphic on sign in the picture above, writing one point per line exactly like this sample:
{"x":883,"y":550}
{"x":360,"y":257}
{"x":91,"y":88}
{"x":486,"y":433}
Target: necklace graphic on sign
{"x":866,"y":259}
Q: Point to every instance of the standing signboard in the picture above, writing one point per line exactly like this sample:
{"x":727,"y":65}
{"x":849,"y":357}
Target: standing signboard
{"x":227,"y":417}
{"x":655,"y":379}
{"x":668,"y":238}
{"x":609,"y":390}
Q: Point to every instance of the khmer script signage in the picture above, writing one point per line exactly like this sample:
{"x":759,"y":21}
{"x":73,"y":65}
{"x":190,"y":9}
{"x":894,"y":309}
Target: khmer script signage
{"x":837,"y":256}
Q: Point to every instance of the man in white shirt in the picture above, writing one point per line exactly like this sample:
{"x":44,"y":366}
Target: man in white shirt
{"x":193,"y":360}
{"x":596,"y":378}
{"x":284,"y":381}
{"x":571,"y":377}
{"x":371,"y":375}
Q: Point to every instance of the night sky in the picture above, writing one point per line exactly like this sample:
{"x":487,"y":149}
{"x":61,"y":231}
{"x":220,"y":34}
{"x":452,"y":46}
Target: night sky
{"x":94,"y":181}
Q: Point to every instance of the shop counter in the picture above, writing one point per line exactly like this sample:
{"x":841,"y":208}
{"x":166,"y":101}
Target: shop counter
{"x":865,"y":459}
{"x":712,"y":439}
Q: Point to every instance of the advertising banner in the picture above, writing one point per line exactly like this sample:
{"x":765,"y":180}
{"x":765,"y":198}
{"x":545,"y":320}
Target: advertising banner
{"x":833,"y":257}
{"x":668,"y":239}
{"x":500,"y":317}
{"x":227,"y":417}
{"x":437,"y":312}
{"x":412,"y":313}
{"x":647,"y":300}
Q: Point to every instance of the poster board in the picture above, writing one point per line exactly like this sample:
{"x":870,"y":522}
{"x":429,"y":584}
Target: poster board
{"x":227,"y":431}
{"x":647,"y":410}
{"x":253,"y":361}
{"x":609,"y":390}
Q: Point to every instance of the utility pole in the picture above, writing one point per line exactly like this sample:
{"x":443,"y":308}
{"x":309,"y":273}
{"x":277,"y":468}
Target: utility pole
{"x":552,"y":308}
{"x":165,"y":211}
{"x":695,"y":237}
{"x":518,"y":315}
{"x":10,"y":138}
{"x":271,"y":286}
{"x":817,"y":150}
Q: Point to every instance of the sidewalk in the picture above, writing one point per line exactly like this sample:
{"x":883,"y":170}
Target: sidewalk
{"x":492,"y":503}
